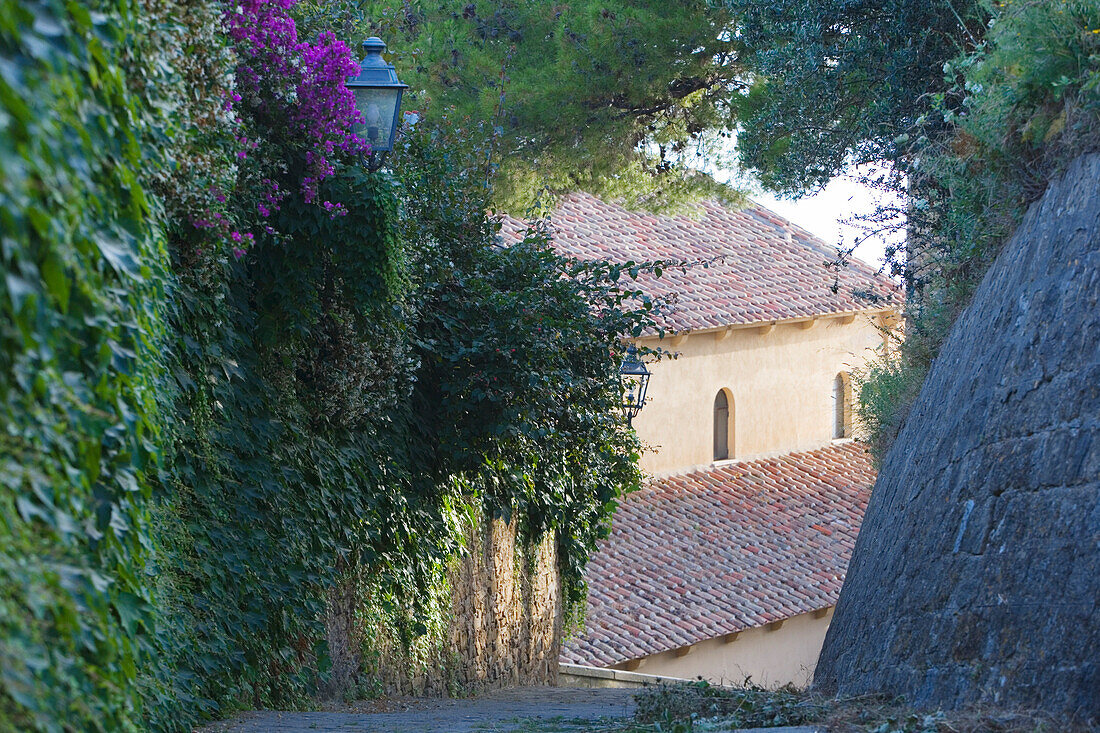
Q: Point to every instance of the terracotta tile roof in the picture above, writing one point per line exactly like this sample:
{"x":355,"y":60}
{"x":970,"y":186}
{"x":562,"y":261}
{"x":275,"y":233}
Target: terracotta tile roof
{"x":761,"y":275}
{"x":696,"y":556}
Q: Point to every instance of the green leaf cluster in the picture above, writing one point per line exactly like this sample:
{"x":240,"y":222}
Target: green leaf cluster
{"x":81,"y":327}
{"x":1011,"y":114}
{"x":519,"y":349}
{"x":198,"y":447}
{"x":285,"y":380}
{"x":345,"y":389}
{"x":614,"y":98}
{"x":974,"y":105}
{"x":838,"y":82}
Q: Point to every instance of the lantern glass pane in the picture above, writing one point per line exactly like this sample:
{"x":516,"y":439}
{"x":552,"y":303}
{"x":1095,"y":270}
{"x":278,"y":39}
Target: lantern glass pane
{"x":634,"y":389}
{"x":378,"y":107}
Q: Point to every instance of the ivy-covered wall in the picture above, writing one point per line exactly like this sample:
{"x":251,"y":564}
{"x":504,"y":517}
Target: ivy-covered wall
{"x":238,"y":369}
{"x":497,"y":621}
{"x":82,"y":325}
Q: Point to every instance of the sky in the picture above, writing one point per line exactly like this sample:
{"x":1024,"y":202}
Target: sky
{"x":825,"y":213}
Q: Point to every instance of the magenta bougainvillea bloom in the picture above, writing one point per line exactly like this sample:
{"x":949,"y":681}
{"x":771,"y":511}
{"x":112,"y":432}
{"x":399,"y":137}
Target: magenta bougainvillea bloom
{"x":295,"y":89}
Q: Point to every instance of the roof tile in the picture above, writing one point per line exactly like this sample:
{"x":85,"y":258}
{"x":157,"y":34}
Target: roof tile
{"x":754,"y":273}
{"x":695,"y":556}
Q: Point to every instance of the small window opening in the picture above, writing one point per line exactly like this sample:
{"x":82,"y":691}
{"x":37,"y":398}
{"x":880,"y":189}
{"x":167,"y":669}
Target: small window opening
{"x":842,"y":407}
{"x":723,"y":426}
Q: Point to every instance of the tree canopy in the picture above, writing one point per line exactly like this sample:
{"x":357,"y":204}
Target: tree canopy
{"x":626,"y":99}
{"x":610,"y":97}
{"x":838,"y":83}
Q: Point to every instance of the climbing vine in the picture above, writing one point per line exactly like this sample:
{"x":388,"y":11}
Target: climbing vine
{"x":237,"y":366}
{"x":81,"y":325}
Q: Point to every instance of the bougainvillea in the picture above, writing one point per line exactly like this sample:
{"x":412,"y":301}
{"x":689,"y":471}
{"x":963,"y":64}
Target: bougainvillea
{"x":283,"y":121}
{"x":292,"y":92}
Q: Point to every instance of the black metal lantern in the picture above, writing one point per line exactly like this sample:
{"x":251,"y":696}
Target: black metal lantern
{"x":377,"y":93}
{"x":635,"y":379}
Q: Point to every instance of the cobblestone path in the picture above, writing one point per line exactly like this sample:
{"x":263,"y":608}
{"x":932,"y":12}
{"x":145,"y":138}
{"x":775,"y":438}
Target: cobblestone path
{"x":525,"y":709}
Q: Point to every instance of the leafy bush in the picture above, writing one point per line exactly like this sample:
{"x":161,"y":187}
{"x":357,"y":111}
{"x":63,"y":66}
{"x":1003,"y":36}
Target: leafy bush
{"x":279,"y":477}
{"x":702,"y":707}
{"x":81,"y":327}
{"x":738,"y":707}
{"x":518,"y":352}
{"x":237,"y":367}
{"x":1016,"y":111}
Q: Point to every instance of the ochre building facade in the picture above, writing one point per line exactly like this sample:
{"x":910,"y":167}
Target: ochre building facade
{"x":778,"y":380}
{"x":728,"y":563}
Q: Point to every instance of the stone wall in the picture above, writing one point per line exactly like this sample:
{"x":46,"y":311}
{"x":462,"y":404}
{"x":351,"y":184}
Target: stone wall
{"x":498,"y":624}
{"x":507,"y":611}
{"x":975,"y":575}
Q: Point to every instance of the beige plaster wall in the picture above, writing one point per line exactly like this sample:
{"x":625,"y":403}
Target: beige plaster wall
{"x":786,"y":655}
{"x":780,"y":378}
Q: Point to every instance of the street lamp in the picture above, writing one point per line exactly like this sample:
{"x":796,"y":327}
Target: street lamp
{"x":377,"y":93}
{"x":635,"y":379}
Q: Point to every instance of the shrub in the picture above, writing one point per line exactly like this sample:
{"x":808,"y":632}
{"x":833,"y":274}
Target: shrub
{"x":81,"y":328}
{"x":1017,"y":110}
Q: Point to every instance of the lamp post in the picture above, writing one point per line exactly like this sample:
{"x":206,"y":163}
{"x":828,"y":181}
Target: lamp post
{"x":635,"y":379}
{"x":377,"y":93}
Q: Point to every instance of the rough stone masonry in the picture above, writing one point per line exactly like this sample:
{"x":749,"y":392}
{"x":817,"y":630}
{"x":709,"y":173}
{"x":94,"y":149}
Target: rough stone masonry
{"x":976,"y":575}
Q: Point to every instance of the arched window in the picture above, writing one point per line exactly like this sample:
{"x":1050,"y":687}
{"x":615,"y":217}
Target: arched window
{"x":723,"y":425}
{"x":842,"y":406}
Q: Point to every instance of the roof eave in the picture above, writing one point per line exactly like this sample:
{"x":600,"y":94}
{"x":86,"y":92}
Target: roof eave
{"x":766,"y":325}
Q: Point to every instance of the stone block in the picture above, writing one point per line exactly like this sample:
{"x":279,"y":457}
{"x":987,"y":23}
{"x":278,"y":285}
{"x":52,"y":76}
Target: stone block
{"x":975,"y":575}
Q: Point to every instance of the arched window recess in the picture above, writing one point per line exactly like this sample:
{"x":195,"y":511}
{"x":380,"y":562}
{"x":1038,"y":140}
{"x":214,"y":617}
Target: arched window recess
{"x":723,"y":425}
{"x":842,"y":406}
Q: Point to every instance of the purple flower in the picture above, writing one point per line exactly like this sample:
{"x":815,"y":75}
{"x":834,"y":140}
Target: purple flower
{"x":296,"y":81}
{"x":334,"y":210}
